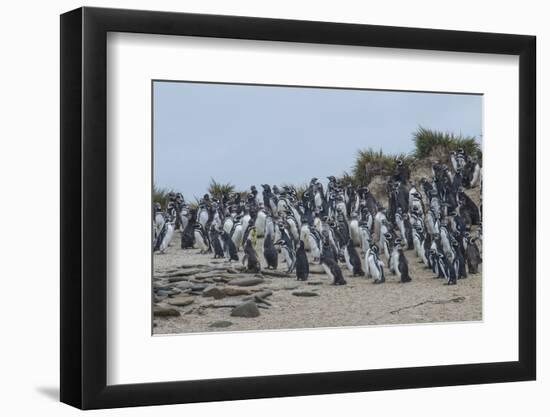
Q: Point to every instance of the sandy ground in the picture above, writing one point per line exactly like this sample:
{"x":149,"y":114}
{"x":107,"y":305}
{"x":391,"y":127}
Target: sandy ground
{"x":424,"y":300}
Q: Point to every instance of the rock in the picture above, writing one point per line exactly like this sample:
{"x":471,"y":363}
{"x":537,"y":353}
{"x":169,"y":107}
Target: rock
{"x":159,"y":287}
{"x":290,"y":287}
{"x":305,"y":294}
{"x":232,"y":291}
{"x":315,"y":283}
{"x":165,"y":311}
{"x":246,"y":282}
{"x":277,"y":274}
{"x":246,"y":309}
{"x":221,"y":324}
{"x":261,"y":295}
{"x":184,"y":285}
{"x":181,"y":301}
{"x":198,"y":287}
{"x":164,"y":293}
{"x":213,"y":291}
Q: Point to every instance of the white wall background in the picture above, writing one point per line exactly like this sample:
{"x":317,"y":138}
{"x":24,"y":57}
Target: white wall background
{"x":29,"y":175}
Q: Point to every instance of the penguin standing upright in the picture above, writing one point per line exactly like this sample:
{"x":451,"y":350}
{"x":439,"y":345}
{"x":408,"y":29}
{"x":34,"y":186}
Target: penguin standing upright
{"x":250,"y":258}
{"x":216,"y":242}
{"x":314,"y":243}
{"x":302,"y":263}
{"x":270,"y":253}
{"x":229,"y":247}
{"x":330,"y":266}
{"x":201,"y":238}
{"x":472,"y":256}
{"x":260,"y":223}
{"x":188,"y":234}
{"x":443,"y":267}
{"x":352,"y":258}
{"x":458,"y":260}
{"x":403,"y":266}
{"x":288,"y":253}
{"x":375,"y":265}
{"x":165,"y":236}
{"x":354,"y":230}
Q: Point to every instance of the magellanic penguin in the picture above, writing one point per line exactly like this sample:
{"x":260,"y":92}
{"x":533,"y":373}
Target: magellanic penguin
{"x":354,"y":231}
{"x":472,"y":256}
{"x":250,"y":258}
{"x":237,"y":234}
{"x":330,"y":266}
{"x":393,"y":264}
{"x":403,"y":266}
{"x":166,"y":234}
{"x":270,"y":252}
{"x":352,"y":260}
{"x":216,"y":242}
{"x":229,"y":247}
{"x":188,"y":234}
{"x":458,"y":259}
{"x":201,"y":238}
{"x":375,"y":265}
{"x":260,"y":223}
{"x":314,"y":243}
{"x":202,"y":214}
{"x":302,"y":263}
{"x":288,"y":254}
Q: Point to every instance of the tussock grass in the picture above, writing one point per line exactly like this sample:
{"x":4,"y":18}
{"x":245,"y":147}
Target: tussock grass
{"x":431,"y":143}
{"x":370,"y":163}
{"x":218,"y":189}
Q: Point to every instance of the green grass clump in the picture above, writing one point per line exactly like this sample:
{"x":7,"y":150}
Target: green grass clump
{"x":431,"y":143}
{"x":370,"y":163}
{"x":218,"y":189}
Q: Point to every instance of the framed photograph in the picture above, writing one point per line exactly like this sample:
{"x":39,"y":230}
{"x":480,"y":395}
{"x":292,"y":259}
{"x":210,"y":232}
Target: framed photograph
{"x":258,"y":208}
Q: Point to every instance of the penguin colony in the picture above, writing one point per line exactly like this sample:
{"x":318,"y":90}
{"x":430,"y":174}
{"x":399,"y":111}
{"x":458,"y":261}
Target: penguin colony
{"x":341,"y":226}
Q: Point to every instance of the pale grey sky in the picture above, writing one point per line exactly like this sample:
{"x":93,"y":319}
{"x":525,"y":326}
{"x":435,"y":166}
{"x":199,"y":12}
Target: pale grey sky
{"x":250,"y":134}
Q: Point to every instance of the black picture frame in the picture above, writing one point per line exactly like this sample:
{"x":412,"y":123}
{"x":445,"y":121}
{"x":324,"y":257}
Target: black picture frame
{"x":84,"y":207}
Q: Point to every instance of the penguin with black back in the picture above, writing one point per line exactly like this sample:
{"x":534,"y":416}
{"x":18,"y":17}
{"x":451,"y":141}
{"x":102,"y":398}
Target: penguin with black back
{"x":270,"y":253}
{"x":288,"y":253}
{"x":472,"y":256}
{"x":188,"y":234}
{"x":330,"y":266}
{"x":201,"y":238}
{"x":354,"y":259}
{"x":302,"y":263}
{"x":403,"y":266}
{"x":250,"y":258}
{"x":458,"y":259}
{"x":229,"y":246}
{"x":215,"y":242}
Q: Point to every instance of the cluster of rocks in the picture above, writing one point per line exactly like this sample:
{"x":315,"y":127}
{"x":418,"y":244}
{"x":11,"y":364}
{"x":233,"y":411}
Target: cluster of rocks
{"x":190,"y":289}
